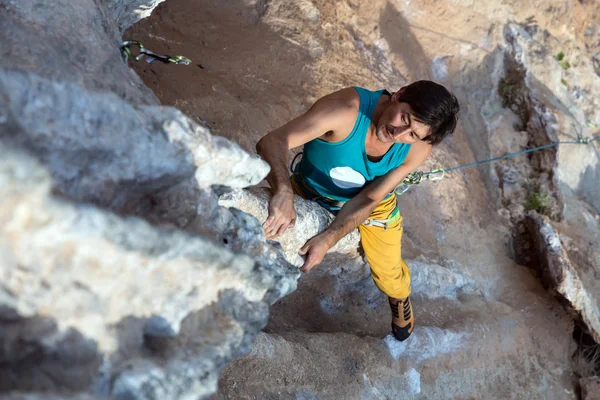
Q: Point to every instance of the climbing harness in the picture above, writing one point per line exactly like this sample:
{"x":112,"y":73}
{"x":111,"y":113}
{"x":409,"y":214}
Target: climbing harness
{"x":126,"y":49}
{"x":292,"y":164}
{"x":312,"y":195}
{"x":383,"y":223}
{"x":380,"y":223}
{"x":414,"y":178}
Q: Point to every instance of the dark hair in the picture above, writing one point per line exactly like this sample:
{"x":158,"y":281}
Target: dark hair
{"x":433,"y":105}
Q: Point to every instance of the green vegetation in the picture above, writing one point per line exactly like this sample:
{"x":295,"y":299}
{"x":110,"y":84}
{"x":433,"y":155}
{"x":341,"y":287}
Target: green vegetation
{"x":560,"y":57}
{"x":539,"y":202}
{"x":508,"y":89}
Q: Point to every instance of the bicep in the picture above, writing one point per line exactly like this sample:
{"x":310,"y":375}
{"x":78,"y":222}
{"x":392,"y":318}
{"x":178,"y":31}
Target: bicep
{"x":383,"y":185}
{"x":327,"y":114}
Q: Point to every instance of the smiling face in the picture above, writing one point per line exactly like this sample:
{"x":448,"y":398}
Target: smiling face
{"x":397,"y":124}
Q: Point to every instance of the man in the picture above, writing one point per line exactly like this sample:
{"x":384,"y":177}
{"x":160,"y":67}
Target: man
{"x":358,"y":146}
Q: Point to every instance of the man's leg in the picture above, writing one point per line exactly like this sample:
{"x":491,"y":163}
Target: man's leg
{"x":390,"y":273}
{"x":403,"y":320}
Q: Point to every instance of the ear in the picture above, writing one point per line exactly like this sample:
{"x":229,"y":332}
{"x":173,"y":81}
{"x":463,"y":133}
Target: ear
{"x":397,"y":94}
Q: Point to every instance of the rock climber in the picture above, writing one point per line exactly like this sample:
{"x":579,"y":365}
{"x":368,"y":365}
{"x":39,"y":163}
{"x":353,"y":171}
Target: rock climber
{"x":358,"y":147}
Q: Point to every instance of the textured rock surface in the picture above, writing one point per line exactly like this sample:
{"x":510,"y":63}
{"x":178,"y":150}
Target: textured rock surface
{"x":332,"y":331}
{"x":105,"y":148}
{"x":80,"y":136}
{"x":590,"y":388}
{"x":70,"y":41}
{"x":311,"y":220}
{"x":563,"y":107}
{"x":561,"y":274}
{"x":95,"y":304}
{"x":563,"y":100}
{"x":155,"y":304}
{"x":67,"y":271}
{"x":128,"y":12}
{"x":327,"y":339}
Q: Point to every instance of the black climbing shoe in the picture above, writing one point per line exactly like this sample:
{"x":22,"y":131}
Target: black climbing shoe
{"x":403,"y":320}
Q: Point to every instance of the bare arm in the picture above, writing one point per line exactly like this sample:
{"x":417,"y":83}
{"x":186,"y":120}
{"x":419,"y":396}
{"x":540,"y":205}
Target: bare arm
{"x":329,"y":114}
{"x":358,"y":209}
{"x":273,"y":148}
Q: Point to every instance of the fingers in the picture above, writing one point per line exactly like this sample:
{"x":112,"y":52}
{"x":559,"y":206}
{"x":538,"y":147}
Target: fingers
{"x":272,"y":224}
{"x":307,"y":266}
{"x":281,"y":230}
{"x":304,"y":249}
{"x":309,"y":263}
{"x":272,"y":233}
{"x":281,"y":215}
{"x":267,"y":226}
{"x":275,"y":227}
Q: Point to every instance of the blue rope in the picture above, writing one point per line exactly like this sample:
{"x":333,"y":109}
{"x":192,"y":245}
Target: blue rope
{"x":414,"y":178}
{"x":583,"y":141}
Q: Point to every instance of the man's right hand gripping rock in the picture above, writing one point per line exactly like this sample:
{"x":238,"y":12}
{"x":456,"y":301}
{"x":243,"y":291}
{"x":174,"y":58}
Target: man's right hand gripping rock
{"x":281,"y":214}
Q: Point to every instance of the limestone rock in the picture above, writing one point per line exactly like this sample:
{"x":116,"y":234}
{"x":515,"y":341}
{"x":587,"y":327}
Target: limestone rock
{"x":72,"y":41}
{"x":563,"y":98}
{"x":311,"y":220}
{"x":560,"y":274}
{"x":95,"y":304}
{"x":590,"y":388}
{"x":67,"y":269}
{"x":438,"y":281}
{"x":108,"y":148}
{"x":102,"y":150}
{"x":128,"y":12}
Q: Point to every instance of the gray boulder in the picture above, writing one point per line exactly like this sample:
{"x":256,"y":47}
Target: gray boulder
{"x":95,"y":303}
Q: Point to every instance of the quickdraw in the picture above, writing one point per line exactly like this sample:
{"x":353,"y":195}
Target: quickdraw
{"x":414,"y":178}
{"x":126,"y":50}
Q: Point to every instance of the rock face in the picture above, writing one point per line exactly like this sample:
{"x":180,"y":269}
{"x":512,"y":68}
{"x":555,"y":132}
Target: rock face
{"x":328,"y":338}
{"x":590,"y":388}
{"x":67,"y":270}
{"x":562,"y":107}
{"x":132,"y":258}
{"x":82,"y":49}
{"x":312,"y":219}
{"x":560,"y":274}
{"x":128,"y":12}
{"x":93,"y":302}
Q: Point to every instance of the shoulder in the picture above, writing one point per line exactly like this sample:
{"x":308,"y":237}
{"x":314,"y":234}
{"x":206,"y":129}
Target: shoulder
{"x":418,"y":153}
{"x":345,"y":101}
{"x":338,"y":108}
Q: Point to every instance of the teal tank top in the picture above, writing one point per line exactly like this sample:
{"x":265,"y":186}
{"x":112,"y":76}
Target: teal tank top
{"x":338,"y":171}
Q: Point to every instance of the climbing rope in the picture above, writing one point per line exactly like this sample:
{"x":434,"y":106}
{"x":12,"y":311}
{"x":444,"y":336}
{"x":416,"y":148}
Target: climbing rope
{"x":126,"y":49}
{"x":414,"y":178}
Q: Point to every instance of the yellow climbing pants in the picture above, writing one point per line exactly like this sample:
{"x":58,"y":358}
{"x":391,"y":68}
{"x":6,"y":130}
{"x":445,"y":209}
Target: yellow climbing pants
{"x":383,"y":248}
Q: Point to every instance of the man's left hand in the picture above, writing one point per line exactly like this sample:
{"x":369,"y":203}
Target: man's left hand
{"x":315,"y":250}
